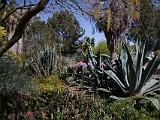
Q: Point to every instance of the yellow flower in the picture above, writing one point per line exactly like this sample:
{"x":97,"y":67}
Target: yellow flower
{"x":3,"y":32}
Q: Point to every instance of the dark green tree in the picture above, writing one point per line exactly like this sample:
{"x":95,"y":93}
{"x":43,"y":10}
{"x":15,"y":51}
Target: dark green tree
{"x":34,"y":36}
{"x":61,"y":30}
{"x":68,"y":30}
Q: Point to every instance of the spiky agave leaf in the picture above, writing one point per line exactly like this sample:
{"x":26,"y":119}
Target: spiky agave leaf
{"x":114,"y":77}
{"x":139,"y":65}
{"x":154,"y":101}
{"x":124,"y":58}
{"x":150,"y":86}
{"x":131,"y":73}
{"x":99,"y":59}
{"x":103,"y":89}
{"x":92,"y":56}
{"x":137,"y":78}
{"x":149,"y":71}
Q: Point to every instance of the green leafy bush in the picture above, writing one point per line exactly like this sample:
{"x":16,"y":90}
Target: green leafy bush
{"x":13,"y":77}
{"x":101,"y":46}
{"x":49,"y":83}
{"x":126,"y":109}
{"x":14,"y":80}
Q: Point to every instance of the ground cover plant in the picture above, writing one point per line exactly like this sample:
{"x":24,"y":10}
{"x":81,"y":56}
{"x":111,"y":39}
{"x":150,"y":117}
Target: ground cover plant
{"x":64,"y":106}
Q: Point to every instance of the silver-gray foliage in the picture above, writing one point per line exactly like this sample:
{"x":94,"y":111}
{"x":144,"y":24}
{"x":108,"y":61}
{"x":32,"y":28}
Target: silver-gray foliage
{"x":44,"y":63}
{"x":136,"y":80}
{"x":13,"y":77}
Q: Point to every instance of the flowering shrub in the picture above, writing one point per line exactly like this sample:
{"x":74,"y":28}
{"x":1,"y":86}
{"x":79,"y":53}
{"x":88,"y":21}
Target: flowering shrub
{"x":49,"y":83}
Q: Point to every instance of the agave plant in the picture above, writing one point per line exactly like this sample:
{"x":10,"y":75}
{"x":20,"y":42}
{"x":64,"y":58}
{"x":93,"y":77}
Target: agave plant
{"x":98,"y":64}
{"x":43,"y":63}
{"x":133,"y":77}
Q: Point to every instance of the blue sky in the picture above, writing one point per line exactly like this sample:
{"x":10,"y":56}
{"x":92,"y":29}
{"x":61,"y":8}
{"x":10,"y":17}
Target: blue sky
{"x":90,"y":29}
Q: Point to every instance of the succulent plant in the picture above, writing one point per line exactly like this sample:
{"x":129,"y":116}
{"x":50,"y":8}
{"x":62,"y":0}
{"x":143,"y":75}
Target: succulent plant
{"x":43,"y":63}
{"x":97,"y":65}
{"x":133,"y":76}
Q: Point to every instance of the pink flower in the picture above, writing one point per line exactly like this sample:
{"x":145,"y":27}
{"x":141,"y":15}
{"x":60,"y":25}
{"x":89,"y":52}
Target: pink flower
{"x":29,"y":115}
{"x":81,"y":63}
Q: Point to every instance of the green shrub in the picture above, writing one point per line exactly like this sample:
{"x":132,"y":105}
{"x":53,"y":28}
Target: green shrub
{"x":102,"y":46}
{"x":103,"y":109}
{"x":13,"y":77}
{"x":126,"y":110}
{"x":13,"y":80}
{"x":49,"y":83}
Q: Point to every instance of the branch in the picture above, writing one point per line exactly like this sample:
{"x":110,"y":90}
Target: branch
{"x":20,"y":7}
{"x":82,"y":10}
{"x":22,"y":24}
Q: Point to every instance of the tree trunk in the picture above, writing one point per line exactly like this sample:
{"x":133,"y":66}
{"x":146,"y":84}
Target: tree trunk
{"x":111,"y":38}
